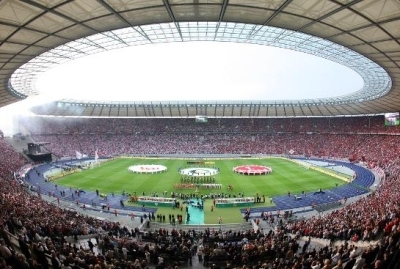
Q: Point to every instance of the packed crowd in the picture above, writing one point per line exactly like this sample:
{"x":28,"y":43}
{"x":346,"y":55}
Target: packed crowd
{"x":361,"y":124}
{"x":10,"y":160}
{"x":348,"y":146}
{"x":42,"y":226}
{"x":250,"y":249}
{"x":351,"y":137}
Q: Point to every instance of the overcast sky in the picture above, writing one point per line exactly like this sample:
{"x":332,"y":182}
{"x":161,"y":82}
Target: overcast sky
{"x":202,"y":71}
{"x":199,"y":71}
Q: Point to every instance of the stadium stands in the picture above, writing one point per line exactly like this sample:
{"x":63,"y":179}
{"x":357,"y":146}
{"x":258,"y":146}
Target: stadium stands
{"x":42,"y":226}
{"x":349,"y":137}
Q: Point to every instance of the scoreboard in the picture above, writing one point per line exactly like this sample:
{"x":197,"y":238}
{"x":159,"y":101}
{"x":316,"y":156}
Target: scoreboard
{"x":201,"y":119}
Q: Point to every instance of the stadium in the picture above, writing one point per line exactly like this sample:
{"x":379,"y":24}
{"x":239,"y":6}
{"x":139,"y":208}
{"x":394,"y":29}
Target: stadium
{"x":292,"y":182}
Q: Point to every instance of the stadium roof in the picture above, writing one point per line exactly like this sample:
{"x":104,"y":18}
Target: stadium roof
{"x":369,"y":27}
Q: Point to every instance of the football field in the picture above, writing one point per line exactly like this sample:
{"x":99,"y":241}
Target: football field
{"x":114,"y":177}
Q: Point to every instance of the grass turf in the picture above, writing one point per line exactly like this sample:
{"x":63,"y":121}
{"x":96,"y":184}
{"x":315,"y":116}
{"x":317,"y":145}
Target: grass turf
{"x":114,"y":177}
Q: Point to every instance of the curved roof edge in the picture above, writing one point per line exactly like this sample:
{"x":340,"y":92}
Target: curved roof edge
{"x":30,"y":28}
{"x":376,"y":80}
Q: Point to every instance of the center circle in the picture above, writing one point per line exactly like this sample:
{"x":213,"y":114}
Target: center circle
{"x":147,"y":168}
{"x":198,"y":171}
{"x":252,"y":169}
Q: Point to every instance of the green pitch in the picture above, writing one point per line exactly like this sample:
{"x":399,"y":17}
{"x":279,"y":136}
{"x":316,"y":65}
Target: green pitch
{"x":114,"y":177}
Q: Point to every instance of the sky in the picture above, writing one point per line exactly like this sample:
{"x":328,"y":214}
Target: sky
{"x":203,"y":71}
{"x":190,"y":71}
